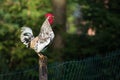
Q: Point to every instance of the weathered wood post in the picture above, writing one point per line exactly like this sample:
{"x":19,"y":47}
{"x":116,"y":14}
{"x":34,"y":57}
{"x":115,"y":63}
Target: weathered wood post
{"x":42,"y":67}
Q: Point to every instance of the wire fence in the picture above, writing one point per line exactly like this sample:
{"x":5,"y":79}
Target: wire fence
{"x":93,"y":68}
{"x":28,"y":74}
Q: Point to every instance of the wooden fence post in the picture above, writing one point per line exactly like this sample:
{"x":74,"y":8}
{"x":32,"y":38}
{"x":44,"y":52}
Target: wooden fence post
{"x":42,"y":67}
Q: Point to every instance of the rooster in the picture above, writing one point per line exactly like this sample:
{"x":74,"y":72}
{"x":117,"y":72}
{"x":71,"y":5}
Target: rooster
{"x":44,"y":38}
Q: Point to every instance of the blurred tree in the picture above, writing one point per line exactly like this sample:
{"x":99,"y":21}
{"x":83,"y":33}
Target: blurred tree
{"x":59,"y":10}
{"x":104,"y":21}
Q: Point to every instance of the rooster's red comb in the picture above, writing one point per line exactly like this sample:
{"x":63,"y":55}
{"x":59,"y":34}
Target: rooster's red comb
{"x":51,"y":17}
{"x":48,"y":14}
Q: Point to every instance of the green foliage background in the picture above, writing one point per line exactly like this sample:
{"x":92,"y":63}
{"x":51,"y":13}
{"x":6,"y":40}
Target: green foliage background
{"x":13,"y":15}
{"x":17,"y":13}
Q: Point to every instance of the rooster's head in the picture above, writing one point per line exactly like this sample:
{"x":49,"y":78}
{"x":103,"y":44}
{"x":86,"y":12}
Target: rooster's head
{"x":50,"y":17}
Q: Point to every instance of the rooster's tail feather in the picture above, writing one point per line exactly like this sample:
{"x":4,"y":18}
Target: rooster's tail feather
{"x":26,"y":35}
